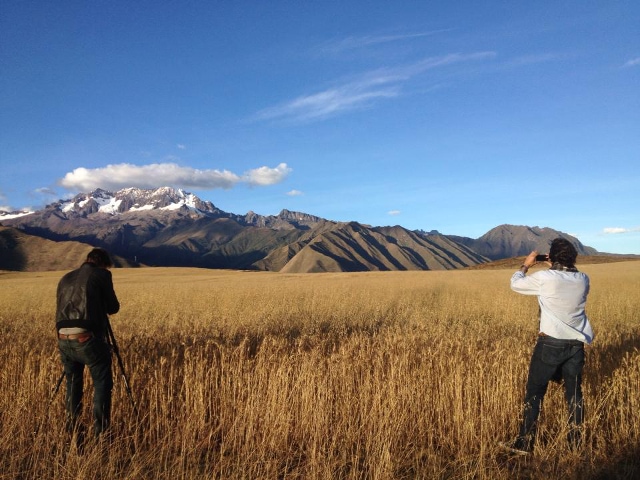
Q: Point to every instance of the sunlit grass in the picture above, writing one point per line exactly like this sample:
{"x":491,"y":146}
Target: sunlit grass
{"x":367,"y":375}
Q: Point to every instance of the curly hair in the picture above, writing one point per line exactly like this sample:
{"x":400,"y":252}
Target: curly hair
{"x":562,"y":251}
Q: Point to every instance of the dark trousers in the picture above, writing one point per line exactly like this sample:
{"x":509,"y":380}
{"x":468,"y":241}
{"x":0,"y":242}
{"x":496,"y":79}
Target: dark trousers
{"x":95,"y":353}
{"x":554,"y":359}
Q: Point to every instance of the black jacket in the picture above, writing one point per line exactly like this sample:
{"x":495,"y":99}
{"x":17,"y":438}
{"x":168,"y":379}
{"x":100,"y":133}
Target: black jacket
{"x":85,"y":298}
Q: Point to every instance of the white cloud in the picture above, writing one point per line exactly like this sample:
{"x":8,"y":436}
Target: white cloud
{"x":394,"y":212}
{"x":616,"y":230}
{"x":634,"y":62}
{"x":113,"y":177}
{"x":181,"y":146}
{"x":363,"y":92}
{"x":294,"y":193}
{"x":267,"y":176}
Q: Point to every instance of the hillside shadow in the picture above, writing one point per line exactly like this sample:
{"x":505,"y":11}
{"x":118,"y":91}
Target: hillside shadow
{"x":11,"y":255}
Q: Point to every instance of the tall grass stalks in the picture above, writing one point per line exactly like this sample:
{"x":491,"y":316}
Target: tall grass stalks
{"x":327,"y":376}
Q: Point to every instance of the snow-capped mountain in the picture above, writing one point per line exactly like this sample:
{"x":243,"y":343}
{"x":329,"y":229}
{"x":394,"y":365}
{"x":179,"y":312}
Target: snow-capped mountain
{"x":134,"y":200}
{"x":123,"y":201}
{"x":165,"y":226}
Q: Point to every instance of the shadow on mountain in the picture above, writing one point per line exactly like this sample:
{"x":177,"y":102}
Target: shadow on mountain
{"x":384,"y":251}
{"x":12,"y":257}
{"x":344,"y":264}
{"x":56,"y":237}
{"x":170,"y":256}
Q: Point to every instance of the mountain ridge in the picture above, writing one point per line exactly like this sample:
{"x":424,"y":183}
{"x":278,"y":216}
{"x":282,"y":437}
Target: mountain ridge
{"x":171,"y":227}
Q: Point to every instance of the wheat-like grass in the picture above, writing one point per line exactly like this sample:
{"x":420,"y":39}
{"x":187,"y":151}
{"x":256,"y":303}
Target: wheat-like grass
{"x":377,"y":375}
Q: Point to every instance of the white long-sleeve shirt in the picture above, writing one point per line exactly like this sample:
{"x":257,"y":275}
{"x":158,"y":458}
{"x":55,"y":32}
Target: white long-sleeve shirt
{"x":562,"y":297}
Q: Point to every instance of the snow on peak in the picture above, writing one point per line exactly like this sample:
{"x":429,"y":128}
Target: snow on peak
{"x":135,"y":199}
{"x":8,"y":215}
{"x":109,"y":205}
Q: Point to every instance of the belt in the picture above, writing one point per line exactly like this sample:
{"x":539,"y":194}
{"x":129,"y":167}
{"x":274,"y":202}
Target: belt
{"x":80,"y":337}
{"x":549,"y":338}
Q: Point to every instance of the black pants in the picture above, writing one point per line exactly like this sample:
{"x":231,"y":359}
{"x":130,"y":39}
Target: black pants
{"x":553,"y":359}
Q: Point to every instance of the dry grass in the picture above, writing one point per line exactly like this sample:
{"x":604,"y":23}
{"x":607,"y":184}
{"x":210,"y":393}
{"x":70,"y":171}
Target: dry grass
{"x":324,"y":376}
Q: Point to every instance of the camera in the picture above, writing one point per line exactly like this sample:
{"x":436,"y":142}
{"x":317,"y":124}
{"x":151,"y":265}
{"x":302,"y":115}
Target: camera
{"x":542,"y":258}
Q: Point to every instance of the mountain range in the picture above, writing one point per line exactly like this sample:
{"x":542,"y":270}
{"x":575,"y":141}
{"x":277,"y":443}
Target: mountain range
{"x":171,"y":227}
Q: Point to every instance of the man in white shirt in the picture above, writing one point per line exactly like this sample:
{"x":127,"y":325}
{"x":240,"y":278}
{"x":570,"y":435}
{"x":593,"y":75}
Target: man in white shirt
{"x":564,"y":330}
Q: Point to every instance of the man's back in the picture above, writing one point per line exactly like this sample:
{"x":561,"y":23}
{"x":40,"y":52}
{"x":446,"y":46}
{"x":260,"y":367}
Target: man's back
{"x":85,"y":298}
{"x":562,"y":296}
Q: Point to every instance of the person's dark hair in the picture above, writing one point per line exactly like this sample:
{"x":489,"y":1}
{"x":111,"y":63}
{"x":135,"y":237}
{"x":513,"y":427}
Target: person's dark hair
{"x":562,"y":251}
{"x":100,"y":257}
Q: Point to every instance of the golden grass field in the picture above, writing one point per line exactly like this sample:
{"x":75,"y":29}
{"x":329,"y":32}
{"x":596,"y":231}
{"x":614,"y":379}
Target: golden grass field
{"x":256,"y":375}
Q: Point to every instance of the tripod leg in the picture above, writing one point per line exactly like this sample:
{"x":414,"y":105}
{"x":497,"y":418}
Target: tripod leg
{"x":57,"y":387}
{"x":116,"y":351}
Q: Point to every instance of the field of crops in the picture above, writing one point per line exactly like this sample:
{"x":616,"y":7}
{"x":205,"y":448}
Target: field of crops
{"x":385,"y":375}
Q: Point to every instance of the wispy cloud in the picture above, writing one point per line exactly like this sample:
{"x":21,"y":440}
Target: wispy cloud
{"x":393,"y":212}
{"x":634,"y":62}
{"x":362,"y":92}
{"x":618,"y":230}
{"x":294,"y":193}
{"x":353,"y":43}
{"x":332,"y":101}
{"x":534,"y":58}
{"x":181,"y":146}
{"x":161,"y":174}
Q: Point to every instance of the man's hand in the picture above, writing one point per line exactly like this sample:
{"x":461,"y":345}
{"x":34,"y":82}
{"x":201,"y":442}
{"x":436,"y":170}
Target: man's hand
{"x":530,"y":261}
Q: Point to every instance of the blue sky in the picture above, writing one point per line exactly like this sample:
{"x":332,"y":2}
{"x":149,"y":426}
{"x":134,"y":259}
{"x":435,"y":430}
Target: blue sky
{"x":453,"y":116}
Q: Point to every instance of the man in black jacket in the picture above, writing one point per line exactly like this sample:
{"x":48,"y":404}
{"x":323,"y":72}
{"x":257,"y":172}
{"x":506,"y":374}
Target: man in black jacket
{"x":85,"y":299}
